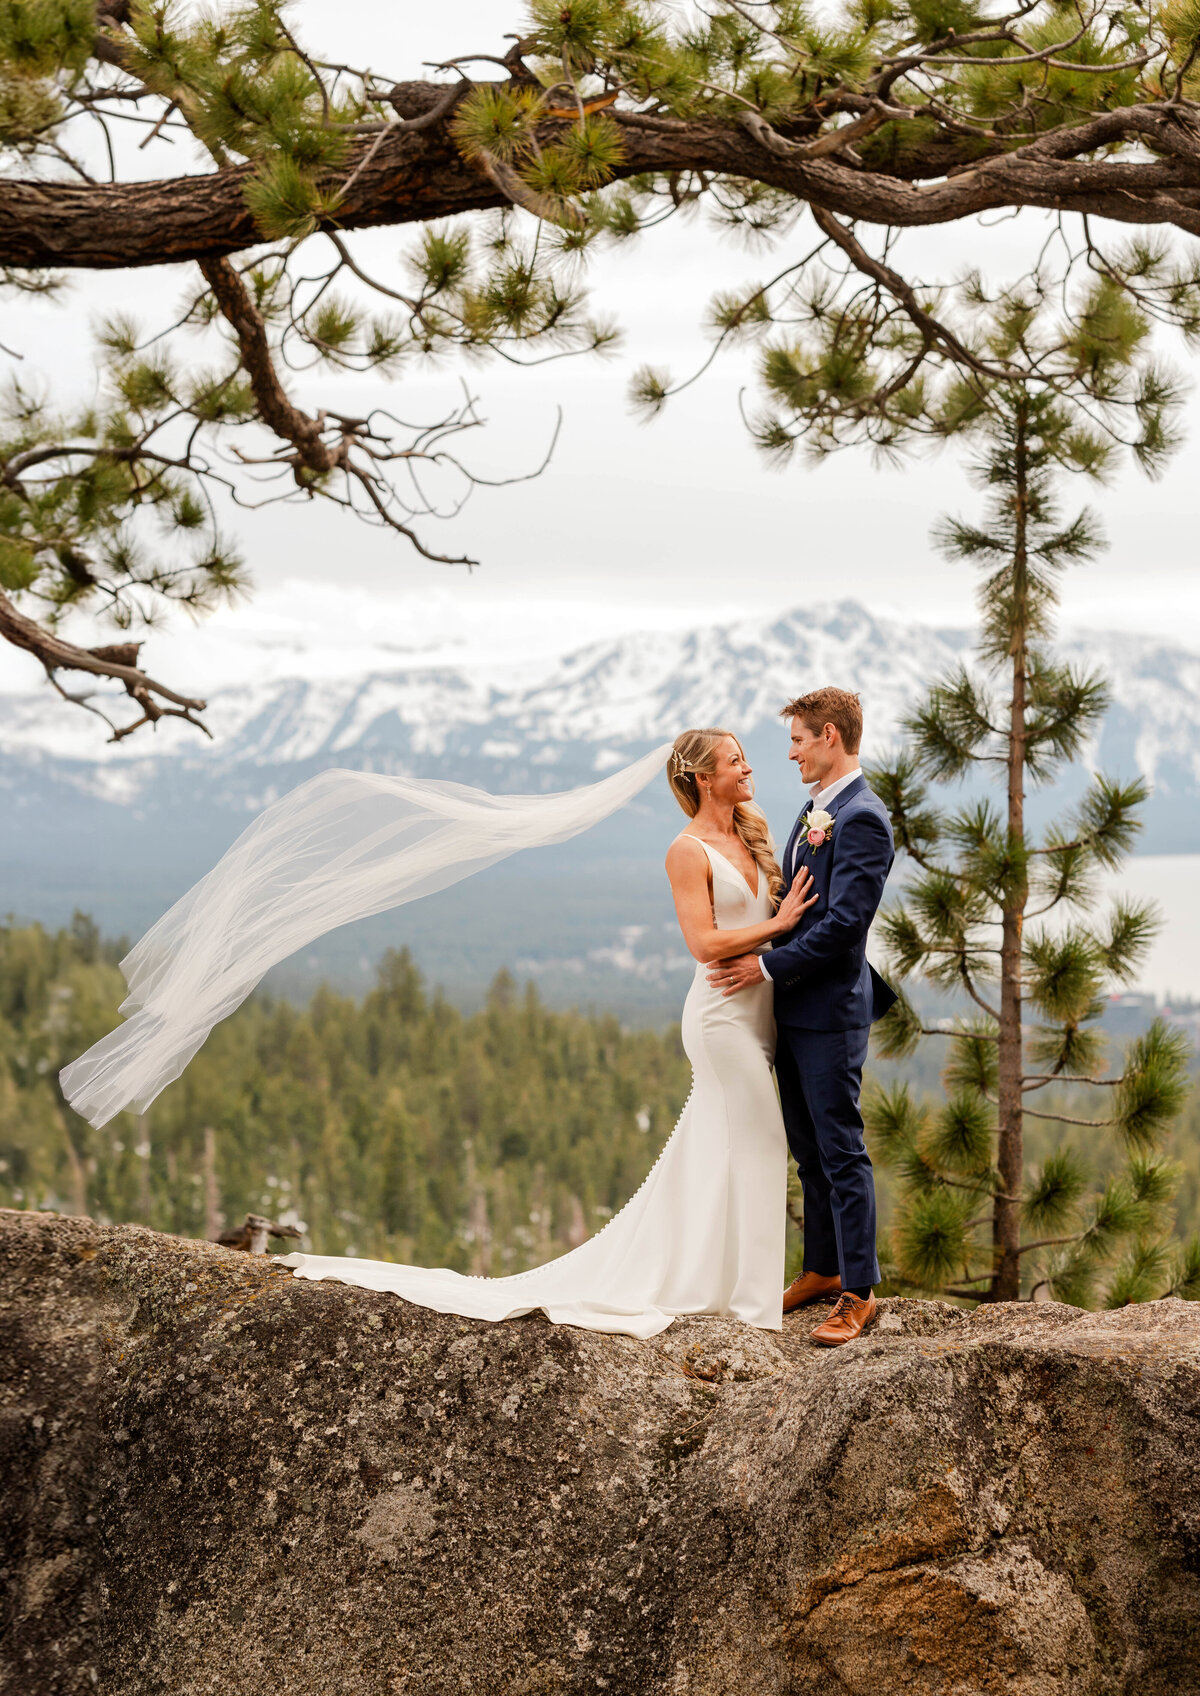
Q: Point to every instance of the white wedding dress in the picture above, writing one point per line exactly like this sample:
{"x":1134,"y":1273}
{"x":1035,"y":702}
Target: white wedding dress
{"x":704,"y":1233}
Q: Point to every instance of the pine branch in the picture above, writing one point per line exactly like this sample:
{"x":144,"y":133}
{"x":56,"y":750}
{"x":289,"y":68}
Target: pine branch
{"x":917,"y":829}
{"x":968,"y":985}
{"x":1185,"y":1279}
{"x":1039,"y":1080}
{"x":116,"y":662}
{"x":277,"y":411}
{"x":933,"y":333}
{"x":1104,"y":825}
{"x":421,"y":177}
{"x":314,"y":456}
{"x":833,"y":141}
{"x":1065,"y":1119}
{"x":550,"y":209}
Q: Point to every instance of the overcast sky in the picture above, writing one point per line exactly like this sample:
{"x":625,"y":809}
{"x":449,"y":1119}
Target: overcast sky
{"x":631,"y":525}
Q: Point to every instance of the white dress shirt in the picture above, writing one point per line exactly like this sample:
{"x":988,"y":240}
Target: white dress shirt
{"x":820,"y":798}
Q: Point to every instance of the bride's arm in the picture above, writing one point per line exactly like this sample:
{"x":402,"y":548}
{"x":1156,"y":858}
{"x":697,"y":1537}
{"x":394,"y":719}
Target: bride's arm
{"x":688,"y":870}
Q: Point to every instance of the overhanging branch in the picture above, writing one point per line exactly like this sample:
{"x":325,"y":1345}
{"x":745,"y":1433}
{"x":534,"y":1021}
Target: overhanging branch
{"x":275,"y":408}
{"x":934,"y":333}
{"x":415,"y":176}
{"x":117,"y":661}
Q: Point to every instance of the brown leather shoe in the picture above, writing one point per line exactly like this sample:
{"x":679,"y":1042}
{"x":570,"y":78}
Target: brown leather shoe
{"x":809,"y":1286}
{"x":848,"y":1320}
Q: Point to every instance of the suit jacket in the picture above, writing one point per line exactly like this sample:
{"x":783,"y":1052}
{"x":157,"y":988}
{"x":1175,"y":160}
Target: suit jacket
{"x":823,"y":981}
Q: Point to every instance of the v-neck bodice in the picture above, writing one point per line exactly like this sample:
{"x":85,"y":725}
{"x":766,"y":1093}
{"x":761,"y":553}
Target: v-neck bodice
{"x":734,"y":902}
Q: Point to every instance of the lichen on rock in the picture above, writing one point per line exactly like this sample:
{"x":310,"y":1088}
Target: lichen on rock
{"x":217,"y":1477}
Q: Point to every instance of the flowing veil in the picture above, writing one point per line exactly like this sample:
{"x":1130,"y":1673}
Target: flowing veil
{"x":339,"y":847}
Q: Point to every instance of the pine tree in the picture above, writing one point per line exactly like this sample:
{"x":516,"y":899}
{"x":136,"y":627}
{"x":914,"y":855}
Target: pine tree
{"x":1008,"y":919}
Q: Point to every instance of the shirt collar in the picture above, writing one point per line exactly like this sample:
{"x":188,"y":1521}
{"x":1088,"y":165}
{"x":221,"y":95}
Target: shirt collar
{"x":822,"y":797}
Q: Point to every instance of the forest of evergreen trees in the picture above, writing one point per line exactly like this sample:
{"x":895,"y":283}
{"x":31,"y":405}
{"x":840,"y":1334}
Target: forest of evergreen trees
{"x":396,"y":1127}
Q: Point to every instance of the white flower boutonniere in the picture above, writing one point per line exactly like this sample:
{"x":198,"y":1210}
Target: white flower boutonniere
{"x":818,"y":828}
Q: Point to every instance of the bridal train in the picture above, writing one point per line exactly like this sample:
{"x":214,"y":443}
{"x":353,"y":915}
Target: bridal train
{"x":704,"y":1233}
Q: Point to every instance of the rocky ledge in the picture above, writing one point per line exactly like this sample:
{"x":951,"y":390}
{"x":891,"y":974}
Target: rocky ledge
{"x":218,"y":1478}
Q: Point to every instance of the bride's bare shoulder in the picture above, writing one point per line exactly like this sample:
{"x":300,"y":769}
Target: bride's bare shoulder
{"x":686,"y":850}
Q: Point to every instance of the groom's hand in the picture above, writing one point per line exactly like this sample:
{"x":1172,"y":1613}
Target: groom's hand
{"x":729,"y":976}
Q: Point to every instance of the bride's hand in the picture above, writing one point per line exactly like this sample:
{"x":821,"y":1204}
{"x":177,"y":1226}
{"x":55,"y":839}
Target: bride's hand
{"x":796,"y":902}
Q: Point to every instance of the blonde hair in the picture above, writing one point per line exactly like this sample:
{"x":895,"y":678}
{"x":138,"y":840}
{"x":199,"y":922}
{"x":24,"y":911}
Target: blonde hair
{"x":695,"y":752}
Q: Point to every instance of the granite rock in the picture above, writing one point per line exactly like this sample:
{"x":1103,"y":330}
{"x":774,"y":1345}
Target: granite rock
{"x":216,"y":1477}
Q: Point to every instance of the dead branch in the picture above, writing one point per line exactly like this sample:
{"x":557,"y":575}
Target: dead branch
{"x":117,"y":661}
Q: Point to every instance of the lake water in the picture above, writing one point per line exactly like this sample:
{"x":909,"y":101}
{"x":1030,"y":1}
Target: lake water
{"x":1172,"y":969}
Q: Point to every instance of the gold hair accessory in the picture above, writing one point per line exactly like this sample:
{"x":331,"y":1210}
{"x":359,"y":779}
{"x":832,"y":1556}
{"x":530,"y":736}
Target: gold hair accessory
{"x":679,"y":766}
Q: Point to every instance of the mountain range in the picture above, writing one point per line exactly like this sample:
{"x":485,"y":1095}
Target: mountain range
{"x":121,"y":830}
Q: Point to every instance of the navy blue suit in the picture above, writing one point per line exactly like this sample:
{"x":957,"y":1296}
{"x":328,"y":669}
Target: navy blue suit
{"x":827,"y":996}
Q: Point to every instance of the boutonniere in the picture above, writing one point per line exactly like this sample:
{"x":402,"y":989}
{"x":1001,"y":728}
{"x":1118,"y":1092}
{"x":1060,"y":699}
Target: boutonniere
{"x":818,"y":828}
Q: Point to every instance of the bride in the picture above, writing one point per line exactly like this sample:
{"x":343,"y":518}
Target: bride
{"x":705,"y":1233}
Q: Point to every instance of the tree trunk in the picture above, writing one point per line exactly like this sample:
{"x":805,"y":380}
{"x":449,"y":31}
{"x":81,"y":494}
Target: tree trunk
{"x":78,"y":1173}
{"x":479,"y":1225}
{"x":214,"y":1219}
{"x":1010,"y":1160}
{"x":142,"y":1152}
{"x":76,"y":1164}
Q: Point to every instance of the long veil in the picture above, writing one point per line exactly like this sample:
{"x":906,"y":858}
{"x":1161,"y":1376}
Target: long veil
{"x":339,"y":847}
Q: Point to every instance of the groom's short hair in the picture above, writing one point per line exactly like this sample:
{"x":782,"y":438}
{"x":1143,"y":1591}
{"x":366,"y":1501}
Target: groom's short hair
{"x":829,"y":706}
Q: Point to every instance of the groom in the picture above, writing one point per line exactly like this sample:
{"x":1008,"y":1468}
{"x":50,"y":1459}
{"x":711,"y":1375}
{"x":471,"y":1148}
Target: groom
{"x":826,"y":998}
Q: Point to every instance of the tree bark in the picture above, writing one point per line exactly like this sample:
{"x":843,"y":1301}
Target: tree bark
{"x":214,"y":1219}
{"x":1010,"y":1160}
{"x":145,"y":1194}
{"x":417,"y":176}
{"x":116,"y":661}
{"x":78,"y":1174}
{"x":76,"y":1165}
{"x":274,"y":407}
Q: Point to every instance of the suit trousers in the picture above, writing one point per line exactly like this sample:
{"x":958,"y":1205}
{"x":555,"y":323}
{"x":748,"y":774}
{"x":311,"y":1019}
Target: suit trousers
{"x":820,"y":1082}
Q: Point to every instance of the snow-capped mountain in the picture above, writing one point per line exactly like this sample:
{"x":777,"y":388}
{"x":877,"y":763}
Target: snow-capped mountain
{"x":622,"y":692}
{"x":122,"y":830}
